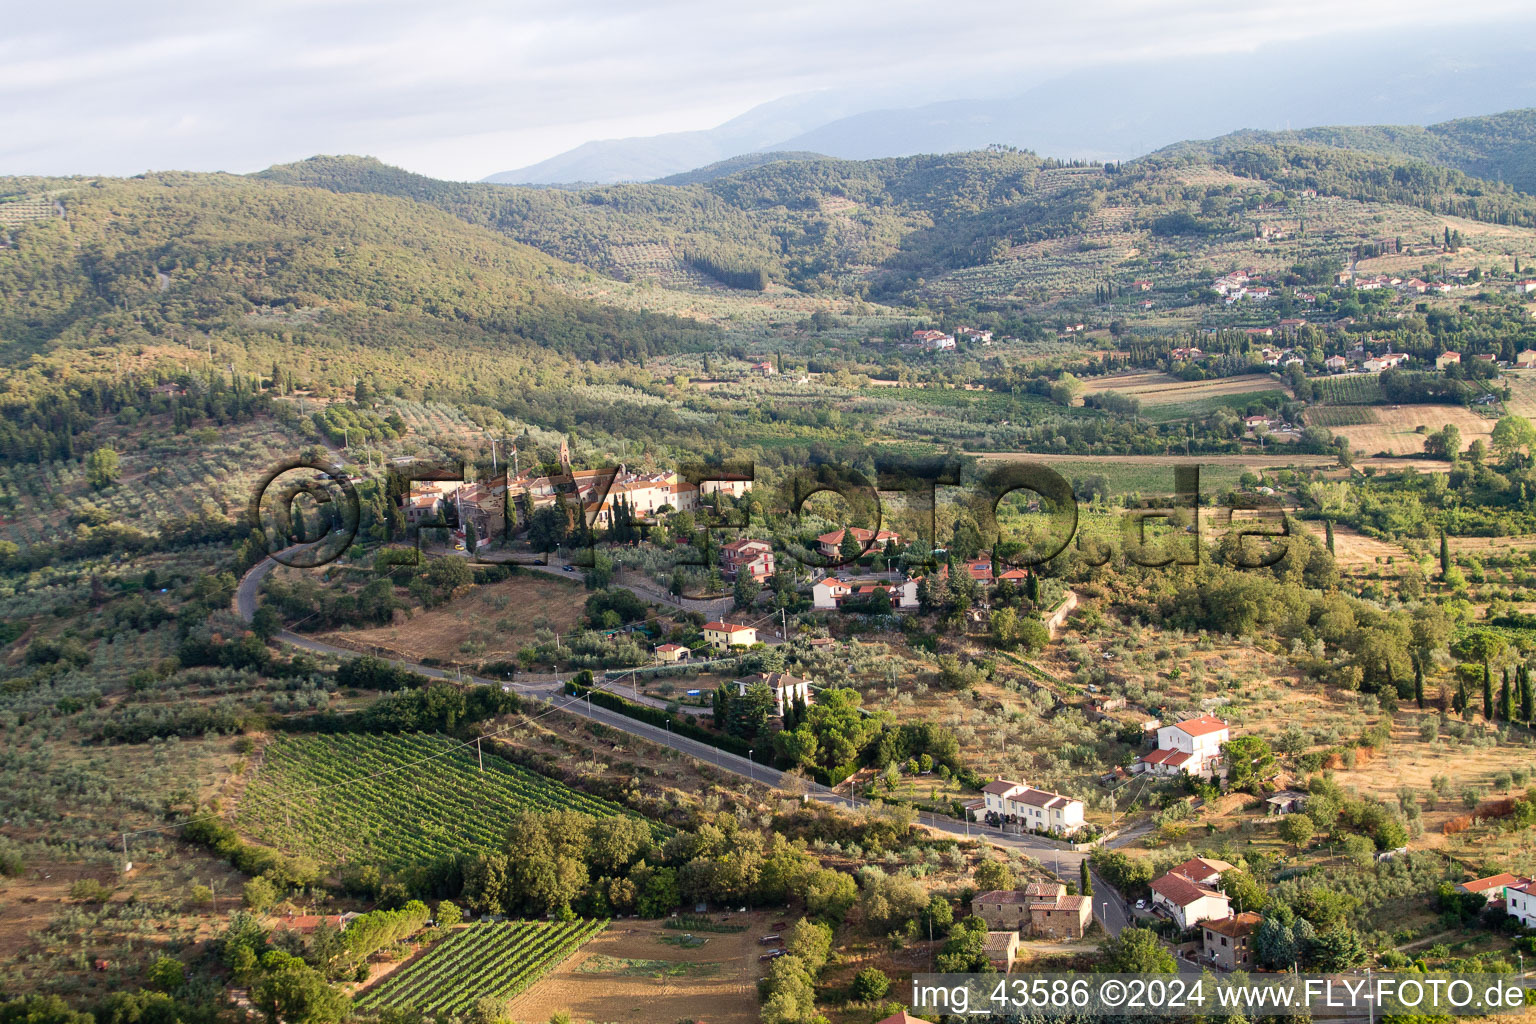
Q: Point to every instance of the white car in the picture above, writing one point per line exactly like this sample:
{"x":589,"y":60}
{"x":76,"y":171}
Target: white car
{"x":1141,"y":904}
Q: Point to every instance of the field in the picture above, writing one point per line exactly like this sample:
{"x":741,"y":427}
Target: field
{"x":1349,"y":389}
{"x":641,"y":974}
{"x":1395,"y":430}
{"x":1341,"y":415}
{"x":435,"y":783}
{"x":490,"y":625}
{"x":1522,"y":392}
{"x":1353,"y":551}
{"x":482,"y":961}
{"x":1161,"y":389}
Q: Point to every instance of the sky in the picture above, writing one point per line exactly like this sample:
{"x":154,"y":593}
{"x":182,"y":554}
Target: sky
{"x":461,"y":90}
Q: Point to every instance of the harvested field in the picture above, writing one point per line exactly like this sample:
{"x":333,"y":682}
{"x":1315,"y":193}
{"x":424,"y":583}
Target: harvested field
{"x":489,"y":623}
{"x":1162,"y":389}
{"x":632,"y":974}
{"x":1522,"y":392}
{"x":1395,"y":431}
{"x":1353,"y":550}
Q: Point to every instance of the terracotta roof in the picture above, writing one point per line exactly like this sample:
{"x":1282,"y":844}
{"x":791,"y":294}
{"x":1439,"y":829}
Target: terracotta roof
{"x":1172,"y":757}
{"x":998,"y":942}
{"x":1236,"y":927}
{"x":725,"y":627}
{"x":1201,"y":867}
{"x":1497,"y":881}
{"x":1045,"y":889}
{"x":1004,"y":897}
{"x":1037,"y":798}
{"x":903,"y":1017}
{"x":1202,"y":726}
{"x":1180,"y":891}
{"x":671,"y":647}
{"x":1073,"y":902}
{"x":1000,"y":787}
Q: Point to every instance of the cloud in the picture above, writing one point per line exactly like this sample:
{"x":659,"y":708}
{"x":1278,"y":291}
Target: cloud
{"x":461,"y":89}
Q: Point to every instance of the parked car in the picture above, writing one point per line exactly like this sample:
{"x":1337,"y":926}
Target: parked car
{"x":772,"y":954}
{"x":570,"y":568}
{"x":1141,"y":904}
{"x":768,"y":940}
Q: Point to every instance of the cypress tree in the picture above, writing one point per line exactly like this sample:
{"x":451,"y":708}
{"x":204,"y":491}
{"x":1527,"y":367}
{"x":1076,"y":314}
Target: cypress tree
{"x":1487,"y":693}
{"x":1526,"y":710}
{"x":1085,"y":884}
{"x":1328,"y":526}
{"x":1506,"y":700}
{"x":1445,"y":555}
{"x":1418,"y":684}
{"x":1462,"y":701}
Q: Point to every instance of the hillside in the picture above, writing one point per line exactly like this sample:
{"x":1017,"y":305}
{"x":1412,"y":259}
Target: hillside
{"x":995,"y":229}
{"x":735,"y":165}
{"x":1498,"y":147}
{"x":158,"y":258}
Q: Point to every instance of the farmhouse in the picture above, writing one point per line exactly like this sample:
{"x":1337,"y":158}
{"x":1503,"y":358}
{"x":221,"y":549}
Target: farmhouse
{"x":934,"y":341}
{"x":1526,"y":287}
{"x":1191,"y":747}
{"x":1335,"y":362}
{"x":787,"y":689}
{"x":1526,"y":359}
{"x":830,"y":544}
{"x":754,"y":557}
{"x":830,"y":592}
{"x":1493,"y":886}
{"x":765,"y":368}
{"x":1053,"y":914}
{"x":1003,"y":908}
{"x":722,"y":636}
{"x":1229,"y":941}
{"x":422,"y":507}
{"x":1447,"y":358}
{"x":1188,"y":902}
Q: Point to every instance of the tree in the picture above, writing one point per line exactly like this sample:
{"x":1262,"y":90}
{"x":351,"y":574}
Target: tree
{"x":1336,"y":950}
{"x":1527,"y":698}
{"x":547,"y":529}
{"x":471,"y":539}
{"x":1250,"y":762}
{"x":448,"y":915}
{"x":1005,"y":624}
{"x":1244,"y":890}
{"x":1511,"y":434}
{"x":849,"y":549}
{"x":289,"y":991}
{"x":1418,"y":683}
{"x":101,"y":468}
{"x":1506,"y":700}
{"x":1297,"y":829}
{"x":1274,"y":944}
{"x":259,"y":894}
{"x":167,"y":974}
{"x":1085,"y":879}
{"x":993,"y":874}
{"x":870,"y":984}
{"x":829,"y":894}
{"x":1136,"y":951}
{"x":744,"y":591}
{"x":1445,"y":554}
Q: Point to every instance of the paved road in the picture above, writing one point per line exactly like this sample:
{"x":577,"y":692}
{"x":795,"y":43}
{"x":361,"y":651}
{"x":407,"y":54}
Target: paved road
{"x":1108,"y":906}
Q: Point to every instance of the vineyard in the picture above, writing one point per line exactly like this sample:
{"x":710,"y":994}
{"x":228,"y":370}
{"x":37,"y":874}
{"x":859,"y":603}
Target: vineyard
{"x":1353,"y":389}
{"x":1340,"y":416}
{"x":403,"y":808}
{"x":486,"y":960}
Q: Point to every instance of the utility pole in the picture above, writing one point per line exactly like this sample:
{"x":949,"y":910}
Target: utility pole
{"x":480,"y":755}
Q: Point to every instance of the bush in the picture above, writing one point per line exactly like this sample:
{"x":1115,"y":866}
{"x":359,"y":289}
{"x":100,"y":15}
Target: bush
{"x":870,"y":984}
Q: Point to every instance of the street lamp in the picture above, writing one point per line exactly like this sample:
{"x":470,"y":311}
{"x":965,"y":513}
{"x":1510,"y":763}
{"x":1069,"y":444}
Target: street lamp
{"x":751,"y":769}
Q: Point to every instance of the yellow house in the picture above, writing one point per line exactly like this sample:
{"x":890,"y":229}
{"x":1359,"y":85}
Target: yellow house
{"x":722,"y":636}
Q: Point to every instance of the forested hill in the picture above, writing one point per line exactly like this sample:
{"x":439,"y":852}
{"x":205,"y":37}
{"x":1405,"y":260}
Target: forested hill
{"x":735,"y":165}
{"x":1497,"y":147}
{"x":164,"y":255}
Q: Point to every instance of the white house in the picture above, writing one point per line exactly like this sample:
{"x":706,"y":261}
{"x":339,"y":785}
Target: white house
{"x":830,"y":592}
{"x":1040,"y":810}
{"x":1191,"y":747}
{"x":1188,"y":902}
{"x":1520,"y":903}
{"x":787,"y":689}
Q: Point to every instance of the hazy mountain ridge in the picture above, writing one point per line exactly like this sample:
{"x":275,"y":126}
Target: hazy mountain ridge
{"x":1114,"y":113}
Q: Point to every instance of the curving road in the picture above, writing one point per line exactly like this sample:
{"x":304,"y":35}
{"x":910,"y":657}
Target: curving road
{"x":1108,"y":906}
